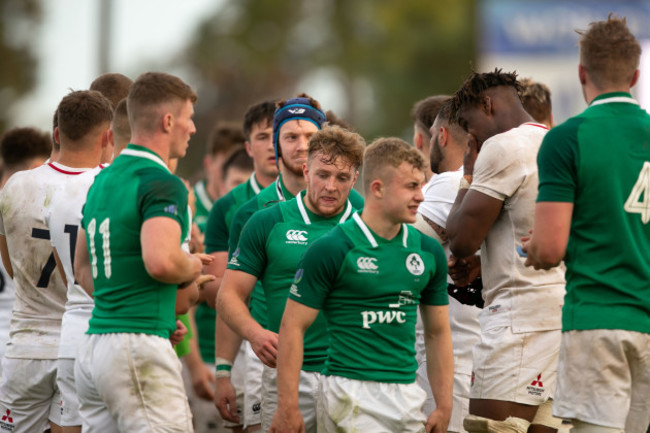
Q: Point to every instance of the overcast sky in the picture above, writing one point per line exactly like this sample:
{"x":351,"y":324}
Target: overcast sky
{"x":143,"y":32}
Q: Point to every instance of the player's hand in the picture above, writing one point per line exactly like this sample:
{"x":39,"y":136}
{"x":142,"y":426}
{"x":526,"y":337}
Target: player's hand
{"x":206,"y":259}
{"x":203,"y":382}
{"x":287,"y":421}
{"x":471,"y":153}
{"x":196,"y":240}
{"x":225,"y":399}
{"x":265,"y":346}
{"x":464,"y":271}
{"x":178,"y":335}
{"x":438,"y":421}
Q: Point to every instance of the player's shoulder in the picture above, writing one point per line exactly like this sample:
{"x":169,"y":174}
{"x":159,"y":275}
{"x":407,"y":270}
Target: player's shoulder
{"x":334,"y":241}
{"x":267,"y":217}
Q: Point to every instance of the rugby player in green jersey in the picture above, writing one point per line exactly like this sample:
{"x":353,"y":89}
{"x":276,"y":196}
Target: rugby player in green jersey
{"x":135,"y":220}
{"x":368,"y":276}
{"x":269,"y":250}
{"x":592,"y":211}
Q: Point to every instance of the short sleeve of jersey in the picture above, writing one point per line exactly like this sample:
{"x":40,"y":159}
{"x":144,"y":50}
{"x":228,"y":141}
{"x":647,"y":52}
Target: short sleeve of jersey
{"x":216,"y":229}
{"x":557,"y":163}
{"x":319,"y":269}
{"x":239,"y":220}
{"x":497,"y":171}
{"x":250,"y":254}
{"x":162,"y":194}
{"x":440,"y":197}
{"x":436,"y":291}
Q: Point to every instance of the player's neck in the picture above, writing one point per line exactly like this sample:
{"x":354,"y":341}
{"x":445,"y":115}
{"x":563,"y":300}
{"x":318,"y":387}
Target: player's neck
{"x":78,"y":159}
{"x":159,"y":147}
{"x":262,"y":180}
{"x":294,"y":184}
{"x":378,"y":223}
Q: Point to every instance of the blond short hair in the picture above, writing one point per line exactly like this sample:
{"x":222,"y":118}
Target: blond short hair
{"x":388,"y":152}
{"x":609,"y":52}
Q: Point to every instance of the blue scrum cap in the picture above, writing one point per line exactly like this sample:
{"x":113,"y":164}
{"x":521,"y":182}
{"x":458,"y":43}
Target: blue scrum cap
{"x":294,"y":109}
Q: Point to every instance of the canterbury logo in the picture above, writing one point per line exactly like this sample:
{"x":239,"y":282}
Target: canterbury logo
{"x":296,"y":110}
{"x":297,"y":235}
{"x":367,"y":263}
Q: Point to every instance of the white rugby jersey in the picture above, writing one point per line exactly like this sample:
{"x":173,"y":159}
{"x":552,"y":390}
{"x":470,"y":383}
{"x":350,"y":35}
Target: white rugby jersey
{"x":439,"y":196}
{"x":6,"y":304}
{"x":63,"y":218}
{"x":515,"y":295}
{"x":40,"y":292}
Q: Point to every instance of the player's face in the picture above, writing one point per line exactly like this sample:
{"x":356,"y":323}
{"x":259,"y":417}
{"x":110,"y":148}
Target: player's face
{"x":294,"y":141}
{"x":183,"y":128}
{"x":328,"y":184}
{"x":260,"y":148}
{"x":234,"y":177}
{"x":403,"y":193}
{"x":475,"y":121}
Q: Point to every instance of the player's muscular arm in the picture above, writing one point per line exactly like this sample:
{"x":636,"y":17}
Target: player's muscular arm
{"x":4,"y":252}
{"x":216,"y":268}
{"x":547,"y":245}
{"x":226,"y":347}
{"x":440,"y":364}
{"x":295,"y":321}
{"x":232,"y":306}
{"x":82,"y":270}
{"x":470,"y":220}
{"x":163,"y":257}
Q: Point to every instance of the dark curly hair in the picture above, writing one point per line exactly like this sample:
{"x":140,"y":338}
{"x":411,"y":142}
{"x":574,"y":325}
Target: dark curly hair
{"x":472,"y":92}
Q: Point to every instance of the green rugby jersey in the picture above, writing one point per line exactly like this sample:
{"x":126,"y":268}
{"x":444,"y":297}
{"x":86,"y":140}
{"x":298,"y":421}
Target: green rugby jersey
{"x":216,"y":239}
{"x":135,"y":187}
{"x":203,"y":205}
{"x":600,"y":162}
{"x":271,"y":246}
{"x":369,"y":289}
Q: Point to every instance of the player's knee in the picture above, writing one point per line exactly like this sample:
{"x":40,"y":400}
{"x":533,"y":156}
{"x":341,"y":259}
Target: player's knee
{"x":478,"y":424}
{"x":544,"y":416}
{"x":585,"y":427}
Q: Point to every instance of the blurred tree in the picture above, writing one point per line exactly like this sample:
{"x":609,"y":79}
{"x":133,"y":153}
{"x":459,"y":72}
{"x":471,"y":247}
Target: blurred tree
{"x":18,"y":23}
{"x":377,"y":56}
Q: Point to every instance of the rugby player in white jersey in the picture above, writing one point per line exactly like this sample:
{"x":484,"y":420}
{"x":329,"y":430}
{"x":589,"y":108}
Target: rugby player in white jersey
{"x":28,"y":390}
{"x":20,"y":149}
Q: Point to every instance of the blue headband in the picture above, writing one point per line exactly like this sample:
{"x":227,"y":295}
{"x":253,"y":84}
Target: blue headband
{"x":295,"y":109}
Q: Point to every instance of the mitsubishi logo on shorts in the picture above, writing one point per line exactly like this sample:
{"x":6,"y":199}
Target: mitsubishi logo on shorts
{"x":536,"y":387}
{"x":538,"y":381}
{"x":297,"y":237}
{"x":367,"y":265}
{"x":7,"y":422}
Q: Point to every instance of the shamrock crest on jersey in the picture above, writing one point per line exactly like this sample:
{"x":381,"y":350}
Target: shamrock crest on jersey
{"x":414,"y":264}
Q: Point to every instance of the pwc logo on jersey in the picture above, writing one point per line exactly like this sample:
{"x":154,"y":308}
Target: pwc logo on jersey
{"x":297,"y":237}
{"x":367,"y":265}
{"x":414,"y":264}
{"x":370,"y":317}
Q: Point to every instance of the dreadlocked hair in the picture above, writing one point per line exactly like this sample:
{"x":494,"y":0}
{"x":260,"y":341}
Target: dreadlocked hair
{"x":472,"y":92}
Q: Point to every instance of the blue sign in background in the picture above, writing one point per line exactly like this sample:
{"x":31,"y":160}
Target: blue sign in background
{"x":536,"y":27}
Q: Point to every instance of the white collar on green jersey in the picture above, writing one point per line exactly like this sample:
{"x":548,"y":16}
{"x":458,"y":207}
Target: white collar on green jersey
{"x":305,"y":216}
{"x":202,"y":194}
{"x":253,"y":183}
{"x":147,"y":155}
{"x":615,"y":99}
{"x":366,"y":231}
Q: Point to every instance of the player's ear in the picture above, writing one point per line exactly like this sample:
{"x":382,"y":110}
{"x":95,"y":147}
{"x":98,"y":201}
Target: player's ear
{"x":167,"y":122}
{"x":377,"y":188}
{"x":487,"y":105}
